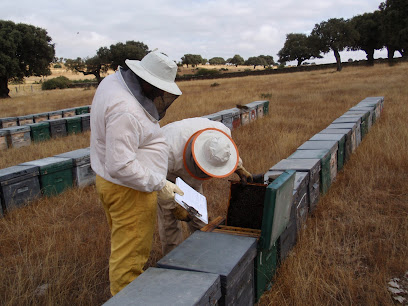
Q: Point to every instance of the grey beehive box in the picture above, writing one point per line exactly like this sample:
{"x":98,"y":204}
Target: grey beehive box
{"x":8,"y":122}
{"x":230,"y":256}
{"x":23,"y":120}
{"x":18,"y":136}
{"x":3,"y":140}
{"x":82,"y":172}
{"x":58,"y":127}
{"x":170,"y":287}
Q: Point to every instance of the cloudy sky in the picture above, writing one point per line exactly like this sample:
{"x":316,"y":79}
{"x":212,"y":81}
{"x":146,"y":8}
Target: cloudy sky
{"x":206,"y":27}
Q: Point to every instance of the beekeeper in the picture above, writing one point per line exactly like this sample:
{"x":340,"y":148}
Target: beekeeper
{"x":129,"y":155}
{"x":199,"y":149}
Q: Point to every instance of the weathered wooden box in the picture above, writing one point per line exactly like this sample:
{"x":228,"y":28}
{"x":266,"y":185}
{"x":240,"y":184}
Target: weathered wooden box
{"x":259,"y":108}
{"x":39,"y":131}
{"x":261,"y":211}
{"x":326,"y":151}
{"x":355,"y":131}
{"x":341,"y":139}
{"x":18,"y":185}
{"x":18,"y":136}
{"x":24,"y":120}
{"x":312,"y":167}
{"x":229,"y":256}
{"x":73,"y":125}
{"x":55,"y":174}
{"x":253,"y":113}
{"x":85,"y":122}
{"x":245,"y":116}
{"x":55,"y":115}
{"x":8,"y":122}
{"x":40,"y":117}
{"x":3,"y":140}
{"x":82,"y":173}
{"x":366,"y":120}
{"x":68,"y":112}
{"x":158,"y":286}
{"x":58,"y":127}
{"x":236,"y":118}
{"x":227,"y":118}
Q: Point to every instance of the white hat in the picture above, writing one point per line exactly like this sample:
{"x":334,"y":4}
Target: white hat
{"x":158,"y":70}
{"x":215,"y":153}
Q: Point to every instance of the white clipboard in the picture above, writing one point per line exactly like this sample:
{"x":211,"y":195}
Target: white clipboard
{"x":192,"y":201}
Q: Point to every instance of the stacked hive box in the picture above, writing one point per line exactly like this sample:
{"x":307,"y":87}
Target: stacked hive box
{"x":58,"y":127}
{"x":18,"y":136}
{"x":85,"y":122}
{"x":40,"y":131}
{"x":73,"y":125}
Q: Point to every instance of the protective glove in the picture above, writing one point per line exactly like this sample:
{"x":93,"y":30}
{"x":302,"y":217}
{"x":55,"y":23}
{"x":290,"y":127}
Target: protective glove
{"x":244,"y":175}
{"x":180,"y":213}
{"x":169,"y":192}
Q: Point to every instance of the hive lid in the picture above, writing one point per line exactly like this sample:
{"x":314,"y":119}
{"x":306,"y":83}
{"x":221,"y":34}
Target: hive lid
{"x":158,"y":286}
{"x":298,"y":164}
{"x":336,"y":131}
{"x":40,"y":115}
{"x":36,"y":125}
{"x":320,"y":154}
{"x":348,"y":119}
{"x":25,"y":117}
{"x":57,"y":121}
{"x":8,"y":119}
{"x":319,"y":145}
{"x":17,"y":129}
{"x":16,"y":171}
{"x":211,"y":252}
{"x":79,"y":157}
{"x":363,"y":108}
{"x":55,"y":112}
{"x":51,"y":164}
{"x":73,"y":119}
{"x":3,"y":132}
{"x":215,"y":116}
{"x":322,"y":136}
{"x":351,"y":125}
{"x":87,"y":115}
{"x":257,"y":103}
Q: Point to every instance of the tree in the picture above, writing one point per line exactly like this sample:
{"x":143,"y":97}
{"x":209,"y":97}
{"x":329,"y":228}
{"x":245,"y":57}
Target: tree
{"x":369,"y":39}
{"x":236,"y":60}
{"x":191,"y":59}
{"x":25,"y":50}
{"x":108,"y":58}
{"x":255,"y":61}
{"x":394,"y":26}
{"x":336,"y":34}
{"x":298,"y":47}
{"x":268,"y":59}
{"x":217,"y":61}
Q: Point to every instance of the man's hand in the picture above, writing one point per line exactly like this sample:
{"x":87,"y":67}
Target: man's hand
{"x":169,"y":192}
{"x":244,"y":175}
{"x":180,"y":213}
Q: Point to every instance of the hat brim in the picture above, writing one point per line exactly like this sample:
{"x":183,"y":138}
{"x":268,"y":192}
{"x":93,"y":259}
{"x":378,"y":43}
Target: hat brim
{"x":198,"y":154}
{"x":137,"y":68}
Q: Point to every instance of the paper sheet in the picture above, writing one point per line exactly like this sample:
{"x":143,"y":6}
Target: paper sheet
{"x":193,"y":199}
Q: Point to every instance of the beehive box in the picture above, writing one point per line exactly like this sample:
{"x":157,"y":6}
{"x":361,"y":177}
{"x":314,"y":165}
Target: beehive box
{"x":73,"y":125}
{"x":341,"y":140}
{"x":55,"y":174}
{"x":18,"y":136}
{"x":370,"y":109}
{"x":8,"y":122}
{"x":375,"y":103}
{"x":229,"y":256}
{"x":40,"y":117}
{"x":298,"y":214}
{"x":236,"y":117}
{"x":366,"y":120}
{"x":260,"y":110}
{"x":312,"y":167}
{"x":18,"y":185}
{"x":330,"y":169}
{"x":355,"y":132}
{"x":82,"y":173}
{"x":58,"y":127}
{"x":39,"y":131}
{"x":55,"y":115}
{"x":337,"y":133}
{"x":68,"y":112}
{"x":245,"y":116}
{"x":24,"y":120}
{"x":213,"y":117}
{"x":85,"y":122}
{"x":261,"y":211}
{"x":82,"y":110}
{"x":158,"y":286}
{"x":253,"y":114}
{"x":3,"y":140}
{"x":226,"y":118}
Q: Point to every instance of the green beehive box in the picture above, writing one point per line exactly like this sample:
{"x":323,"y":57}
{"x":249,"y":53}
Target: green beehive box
{"x":73,"y":125}
{"x":371,"y":109}
{"x":3,"y":140}
{"x":355,"y":132}
{"x":366,"y":120}
{"x":39,"y":131}
{"x":341,"y":139}
{"x":82,"y":110}
{"x":55,"y":174}
{"x":348,"y":141}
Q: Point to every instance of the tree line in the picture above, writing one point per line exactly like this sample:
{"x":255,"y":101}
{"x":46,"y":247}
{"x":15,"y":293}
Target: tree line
{"x":26,"y":50}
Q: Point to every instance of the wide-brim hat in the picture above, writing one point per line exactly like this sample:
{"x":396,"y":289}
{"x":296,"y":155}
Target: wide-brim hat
{"x":215,"y":153}
{"x":158,"y":70}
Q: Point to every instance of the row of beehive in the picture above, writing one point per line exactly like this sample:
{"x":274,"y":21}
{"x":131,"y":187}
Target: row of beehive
{"x":235,"y":117}
{"x":20,"y":136}
{"x":245,"y":256}
{"x":49,"y":176}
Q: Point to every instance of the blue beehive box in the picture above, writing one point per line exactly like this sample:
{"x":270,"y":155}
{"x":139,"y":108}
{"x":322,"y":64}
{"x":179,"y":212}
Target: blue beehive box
{"x":18,"y":185}
{"x":231,"y":257}
{"x":170,"y":287}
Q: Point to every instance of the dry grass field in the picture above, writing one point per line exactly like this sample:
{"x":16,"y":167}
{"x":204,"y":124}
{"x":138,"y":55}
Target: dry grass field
{"x":55,"y":251}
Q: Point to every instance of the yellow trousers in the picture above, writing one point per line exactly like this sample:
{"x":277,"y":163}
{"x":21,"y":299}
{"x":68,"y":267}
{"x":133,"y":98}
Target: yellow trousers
{"x":131,"y":217}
